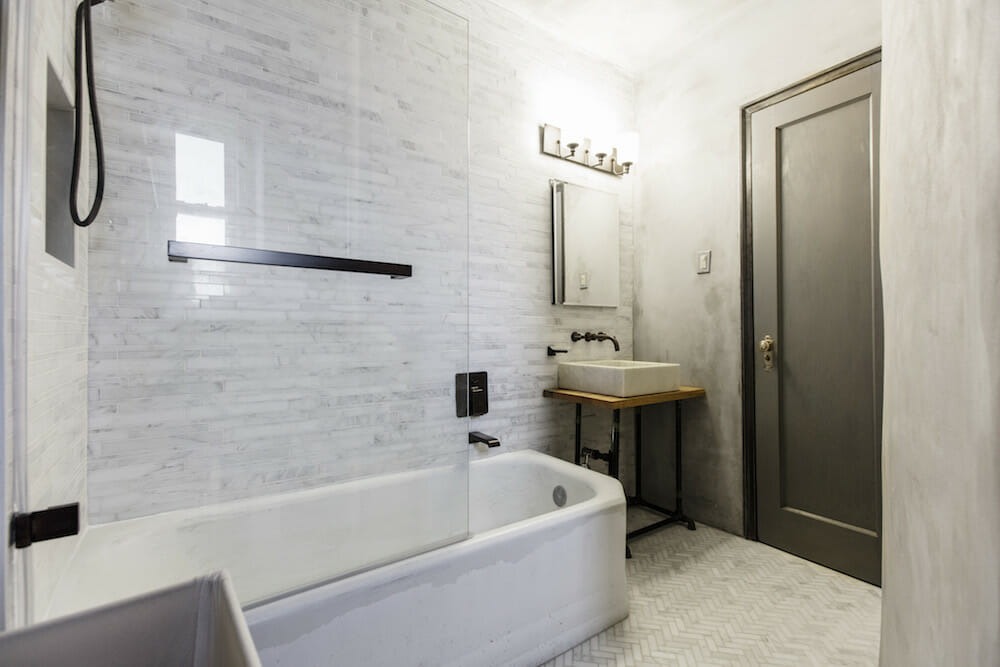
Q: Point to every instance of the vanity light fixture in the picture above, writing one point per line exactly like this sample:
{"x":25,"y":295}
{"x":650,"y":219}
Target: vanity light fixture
{"x":579,"y":152}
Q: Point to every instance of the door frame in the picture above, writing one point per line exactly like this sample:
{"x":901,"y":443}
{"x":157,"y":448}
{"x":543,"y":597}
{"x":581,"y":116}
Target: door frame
{"x":16,"y":20}
{"x":5,"y":41}
{"x":748,"y":344}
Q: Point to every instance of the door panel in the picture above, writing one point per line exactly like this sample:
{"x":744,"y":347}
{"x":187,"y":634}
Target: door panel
{"x":817,"y":293}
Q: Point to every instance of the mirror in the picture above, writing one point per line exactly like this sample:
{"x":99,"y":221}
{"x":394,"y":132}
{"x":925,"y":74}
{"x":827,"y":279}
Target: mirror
{"x":585,"y":246}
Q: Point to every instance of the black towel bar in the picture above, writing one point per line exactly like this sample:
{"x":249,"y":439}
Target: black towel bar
{"x":182,"y":251}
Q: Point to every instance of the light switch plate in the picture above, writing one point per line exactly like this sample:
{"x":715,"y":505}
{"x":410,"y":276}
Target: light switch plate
{"x":705,"y":261}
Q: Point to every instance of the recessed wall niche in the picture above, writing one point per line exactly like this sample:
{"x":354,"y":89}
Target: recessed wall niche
{"x":60,"y":233}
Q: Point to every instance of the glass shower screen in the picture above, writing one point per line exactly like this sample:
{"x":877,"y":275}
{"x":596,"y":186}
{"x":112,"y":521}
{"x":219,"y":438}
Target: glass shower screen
{"x":289,"y":424}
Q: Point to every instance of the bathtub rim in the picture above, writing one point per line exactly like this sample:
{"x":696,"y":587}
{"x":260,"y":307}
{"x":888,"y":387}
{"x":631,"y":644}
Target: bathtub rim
{"x":172,"y":520}
{"x":609,"y":495}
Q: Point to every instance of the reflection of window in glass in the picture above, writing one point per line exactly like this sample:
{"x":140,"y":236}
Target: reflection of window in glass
{"x":201,"y":171}
{"x":199,"y":229}
{"x":201,"y":184}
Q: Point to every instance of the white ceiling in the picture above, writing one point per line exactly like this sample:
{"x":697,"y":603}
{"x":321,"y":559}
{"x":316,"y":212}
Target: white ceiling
{"x":633,"y":34}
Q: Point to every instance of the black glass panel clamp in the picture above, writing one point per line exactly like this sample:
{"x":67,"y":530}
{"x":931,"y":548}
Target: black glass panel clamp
{"x":182,"y":251}
{"x":26,"y":528}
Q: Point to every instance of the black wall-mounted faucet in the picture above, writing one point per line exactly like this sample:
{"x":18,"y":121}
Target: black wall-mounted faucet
{"x":599,"y":336}
{"x":477,"y":438}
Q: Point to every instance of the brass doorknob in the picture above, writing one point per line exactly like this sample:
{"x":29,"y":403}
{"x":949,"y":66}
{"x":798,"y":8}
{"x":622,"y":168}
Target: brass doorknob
{"x":767,"y":347}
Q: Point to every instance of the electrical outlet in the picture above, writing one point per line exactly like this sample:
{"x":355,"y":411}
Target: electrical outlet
{"x":705,"y":261}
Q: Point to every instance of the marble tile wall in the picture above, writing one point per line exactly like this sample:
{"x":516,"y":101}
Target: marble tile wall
{"x":12,"y":123}
{"x":316,"y":127}
{"x":522,"y":76}
{"x":344,"y":128}
{"x":55,"y":419}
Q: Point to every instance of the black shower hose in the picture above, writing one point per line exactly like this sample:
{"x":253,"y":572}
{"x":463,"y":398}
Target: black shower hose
{"x":84,"y":38}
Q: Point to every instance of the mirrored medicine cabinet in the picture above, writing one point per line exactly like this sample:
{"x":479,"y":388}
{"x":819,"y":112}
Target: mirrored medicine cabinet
{"x":585,"y":262}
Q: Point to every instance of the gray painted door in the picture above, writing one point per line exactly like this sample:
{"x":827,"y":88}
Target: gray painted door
{"x":817,"y":318}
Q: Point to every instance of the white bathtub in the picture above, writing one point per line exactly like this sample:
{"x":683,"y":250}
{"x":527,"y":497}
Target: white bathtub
{"x":531,"y":580}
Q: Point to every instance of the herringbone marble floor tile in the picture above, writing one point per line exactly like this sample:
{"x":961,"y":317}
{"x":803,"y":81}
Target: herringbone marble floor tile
{"x":706,"y":598}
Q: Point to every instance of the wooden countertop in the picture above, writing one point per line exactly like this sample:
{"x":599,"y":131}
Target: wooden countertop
{"x":617,"y":403}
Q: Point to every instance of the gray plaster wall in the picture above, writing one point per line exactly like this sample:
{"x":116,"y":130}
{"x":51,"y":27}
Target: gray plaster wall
{"x":688,"y":113}
{"x":940,"y":216}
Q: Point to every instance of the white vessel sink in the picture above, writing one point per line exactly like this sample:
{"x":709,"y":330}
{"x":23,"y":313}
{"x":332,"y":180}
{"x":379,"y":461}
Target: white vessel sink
{"x":617,"y":377}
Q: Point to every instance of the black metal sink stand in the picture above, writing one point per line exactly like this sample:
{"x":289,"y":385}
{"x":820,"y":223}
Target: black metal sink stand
{"x":673,"y":516}
{"x":677,"y":514}
{"x":616,"y":405}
